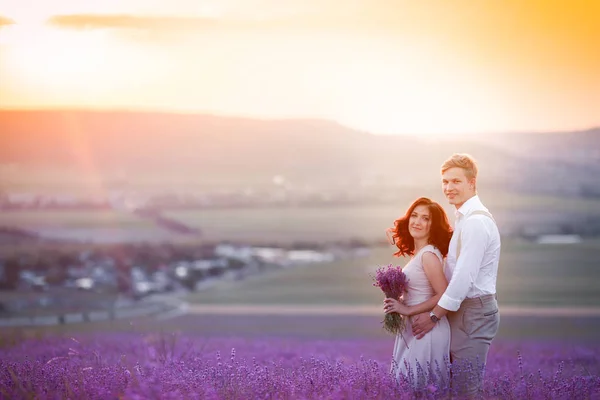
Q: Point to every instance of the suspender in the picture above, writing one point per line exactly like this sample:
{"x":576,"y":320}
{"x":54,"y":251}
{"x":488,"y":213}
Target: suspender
{"x":476,"y":212}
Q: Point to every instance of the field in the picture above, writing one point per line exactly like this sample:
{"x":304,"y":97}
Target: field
{"x":32,"y":219}
{"x":239,"y":355}
{"x":288,"y":224}
{"x":276,"y":357}
{"x":529,"y":275}
{"x":100,"y":226}
{"x":332,"y":348}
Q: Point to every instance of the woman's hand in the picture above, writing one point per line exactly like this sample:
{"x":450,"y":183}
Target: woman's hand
{"x":393,"y":305}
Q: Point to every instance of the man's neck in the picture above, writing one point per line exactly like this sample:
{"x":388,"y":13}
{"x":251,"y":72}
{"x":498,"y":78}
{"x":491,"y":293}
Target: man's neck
{"x":458,"y":206}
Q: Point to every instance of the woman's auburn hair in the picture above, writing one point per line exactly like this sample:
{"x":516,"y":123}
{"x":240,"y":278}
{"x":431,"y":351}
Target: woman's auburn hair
{"x":440,"y":230}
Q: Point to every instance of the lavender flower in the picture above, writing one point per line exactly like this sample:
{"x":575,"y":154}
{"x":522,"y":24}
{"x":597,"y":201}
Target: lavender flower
{"x":393,"y":283}
{"x":275,"y":368}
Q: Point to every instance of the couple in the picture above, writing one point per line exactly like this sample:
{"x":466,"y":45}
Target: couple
{"x":451,"y":307}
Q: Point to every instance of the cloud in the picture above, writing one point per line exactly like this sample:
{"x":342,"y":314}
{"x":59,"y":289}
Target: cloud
{"x":4,"y":21}
{"x":463,"y":27}
{"x":302,"y":21}
{"x":170,"y":29}
{"x":124,"y":21}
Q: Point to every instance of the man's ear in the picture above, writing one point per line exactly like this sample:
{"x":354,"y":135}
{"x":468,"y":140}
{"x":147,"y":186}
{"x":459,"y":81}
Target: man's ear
{"x":473,"y":183}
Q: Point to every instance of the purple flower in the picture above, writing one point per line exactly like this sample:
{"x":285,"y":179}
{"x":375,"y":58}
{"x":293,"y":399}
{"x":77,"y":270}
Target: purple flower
{"x":391,"y":280}
{"x":393,"y":283}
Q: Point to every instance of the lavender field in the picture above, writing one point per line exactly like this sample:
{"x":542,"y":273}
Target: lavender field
{"x":277,"y":357}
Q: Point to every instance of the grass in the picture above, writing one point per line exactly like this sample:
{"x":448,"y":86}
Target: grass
{"x":364,"y":221}
{"x":529,"y":275}
{"x":306,"y":327}
{"x":33,"y":219}
{"x":287,"y":224}
{"x":511,"y":201}
{"x":11,"y":335}
{"x":65,"y":300}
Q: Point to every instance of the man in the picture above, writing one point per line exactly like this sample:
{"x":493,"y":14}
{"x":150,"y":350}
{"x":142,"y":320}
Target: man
{"x":471,"y":268}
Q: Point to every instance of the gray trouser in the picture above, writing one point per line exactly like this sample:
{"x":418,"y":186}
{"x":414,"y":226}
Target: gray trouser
{"x":473,"y":327}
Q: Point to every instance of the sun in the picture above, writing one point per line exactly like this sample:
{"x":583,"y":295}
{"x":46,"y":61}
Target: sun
{"x":59,"y":62}
{"x":58,"y":59}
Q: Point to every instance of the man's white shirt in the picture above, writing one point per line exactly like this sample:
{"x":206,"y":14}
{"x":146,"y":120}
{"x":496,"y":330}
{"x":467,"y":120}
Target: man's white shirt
{"x":476,"y":271}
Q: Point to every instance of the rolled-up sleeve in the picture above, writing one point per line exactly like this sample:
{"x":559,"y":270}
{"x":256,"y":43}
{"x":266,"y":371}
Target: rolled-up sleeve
{"x":474,"y":238}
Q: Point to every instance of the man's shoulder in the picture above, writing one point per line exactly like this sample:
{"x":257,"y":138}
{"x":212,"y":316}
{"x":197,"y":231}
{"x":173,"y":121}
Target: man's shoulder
{"x":481,"y":224}
{"x":481,"y":219}
{"x":480,"y":213}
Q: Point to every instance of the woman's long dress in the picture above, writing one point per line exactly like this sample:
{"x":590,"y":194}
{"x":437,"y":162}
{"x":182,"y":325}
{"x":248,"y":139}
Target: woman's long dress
{"x":417,"y":359}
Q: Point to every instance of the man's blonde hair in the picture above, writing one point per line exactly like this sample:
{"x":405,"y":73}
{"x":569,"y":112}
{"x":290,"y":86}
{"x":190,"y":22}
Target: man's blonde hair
{"x":464,"y":161}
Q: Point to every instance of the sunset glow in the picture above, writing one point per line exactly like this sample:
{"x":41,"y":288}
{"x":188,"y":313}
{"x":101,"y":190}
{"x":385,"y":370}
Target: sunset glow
{"x":404,"y":67}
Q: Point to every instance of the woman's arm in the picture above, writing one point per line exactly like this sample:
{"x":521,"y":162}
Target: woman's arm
{"x":435,"y":274}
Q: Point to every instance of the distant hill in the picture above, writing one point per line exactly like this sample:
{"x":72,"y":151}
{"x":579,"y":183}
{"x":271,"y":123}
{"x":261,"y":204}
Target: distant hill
{"x":574,"y":147}
{"x":168,"y":147}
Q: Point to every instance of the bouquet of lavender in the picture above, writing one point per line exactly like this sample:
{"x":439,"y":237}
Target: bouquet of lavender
{"x":393,"y":283}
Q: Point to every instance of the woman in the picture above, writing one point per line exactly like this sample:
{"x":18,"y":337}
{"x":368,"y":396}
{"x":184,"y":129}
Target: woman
{"x":423,"y":234}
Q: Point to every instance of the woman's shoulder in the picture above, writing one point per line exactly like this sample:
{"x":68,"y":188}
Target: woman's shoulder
{"x":432,"y":249}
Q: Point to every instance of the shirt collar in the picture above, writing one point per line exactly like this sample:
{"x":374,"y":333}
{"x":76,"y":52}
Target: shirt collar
{"x":468,"y":206}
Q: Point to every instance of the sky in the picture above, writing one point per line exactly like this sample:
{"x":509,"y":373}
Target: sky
{"x":426,"y":68}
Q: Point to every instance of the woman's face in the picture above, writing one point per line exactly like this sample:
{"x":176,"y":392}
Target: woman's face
{"x":419,"y":222}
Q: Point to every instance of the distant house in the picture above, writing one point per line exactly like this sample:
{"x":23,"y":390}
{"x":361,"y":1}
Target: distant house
{"x":308,"y":256}
{"x":270,"y":255}
{"x":240,"y":253}
{"x":558,"y":239}
{"x":209,"y":265}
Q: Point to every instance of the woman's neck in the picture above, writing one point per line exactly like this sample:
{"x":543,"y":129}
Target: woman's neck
{"x":419,"y":244}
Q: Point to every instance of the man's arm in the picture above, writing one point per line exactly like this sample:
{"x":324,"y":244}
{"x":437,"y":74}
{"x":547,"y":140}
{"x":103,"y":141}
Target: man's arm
{"x":474,"y":237}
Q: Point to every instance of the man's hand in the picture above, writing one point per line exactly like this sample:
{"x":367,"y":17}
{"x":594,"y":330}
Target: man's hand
{"x":421,"y":325}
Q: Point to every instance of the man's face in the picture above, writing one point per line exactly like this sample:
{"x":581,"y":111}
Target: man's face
{"x":457,"y":188}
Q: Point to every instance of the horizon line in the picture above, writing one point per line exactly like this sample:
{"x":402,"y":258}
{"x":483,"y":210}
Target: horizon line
{"x":148,"y":110}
